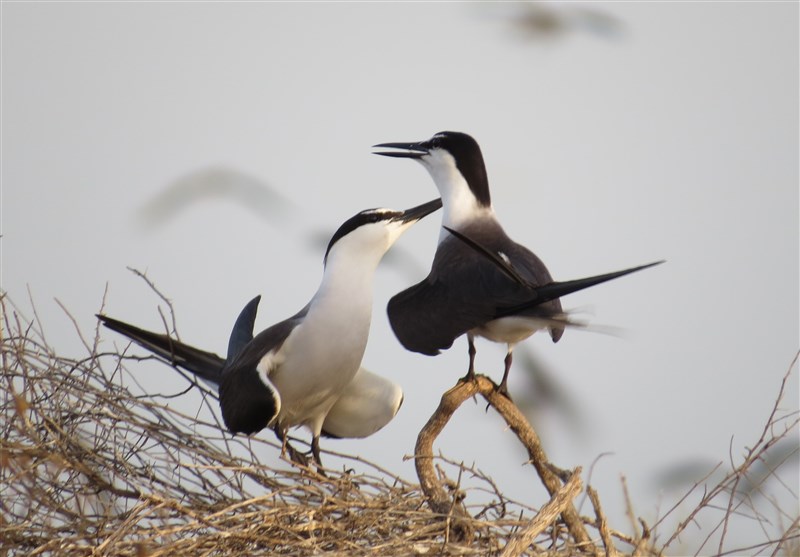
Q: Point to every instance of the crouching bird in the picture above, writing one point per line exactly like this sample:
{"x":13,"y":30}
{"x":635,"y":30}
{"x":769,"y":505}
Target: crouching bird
{"x":305,"y":371}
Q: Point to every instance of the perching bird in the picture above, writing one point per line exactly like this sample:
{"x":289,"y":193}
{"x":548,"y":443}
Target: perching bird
{"x":306,"y":370}
{"x":481,"y":282}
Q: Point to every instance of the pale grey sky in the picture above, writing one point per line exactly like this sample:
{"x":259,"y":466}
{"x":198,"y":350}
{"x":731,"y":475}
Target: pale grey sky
{"x":671,"y":131}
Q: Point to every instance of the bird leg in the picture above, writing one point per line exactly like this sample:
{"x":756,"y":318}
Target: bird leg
{"x":315,"y":453}
{"x":280,"y":433}
{"x":503,"y":387}
{"x":286,"y":448}
{"x":470,"y":376}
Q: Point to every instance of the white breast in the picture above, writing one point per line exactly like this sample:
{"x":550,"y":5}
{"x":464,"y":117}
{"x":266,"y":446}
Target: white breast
{"x":510,"y":330}
{"x":320,"y":357}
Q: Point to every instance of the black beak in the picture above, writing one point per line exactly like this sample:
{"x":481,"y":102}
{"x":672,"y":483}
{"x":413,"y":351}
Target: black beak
{"x":403,"y":150}
{"x":420,"y":211}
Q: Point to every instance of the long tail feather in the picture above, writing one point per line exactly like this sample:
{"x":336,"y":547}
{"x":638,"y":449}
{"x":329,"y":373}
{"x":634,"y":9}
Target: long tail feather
{"x":205,"y":365}
{"x":555,"y":290}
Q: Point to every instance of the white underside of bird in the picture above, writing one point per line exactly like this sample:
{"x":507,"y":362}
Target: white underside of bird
{"x":327,"y":347}
{"x":368,"y":403}
{"x":510,"y":330}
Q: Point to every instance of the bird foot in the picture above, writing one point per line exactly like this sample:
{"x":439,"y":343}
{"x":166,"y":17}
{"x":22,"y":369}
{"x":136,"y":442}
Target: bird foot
{"x":503,"y":390}
{"x":305,"y":460}
{"x":469,"y":377}
{"x":319,"y":469}
{"x":298,"y":457}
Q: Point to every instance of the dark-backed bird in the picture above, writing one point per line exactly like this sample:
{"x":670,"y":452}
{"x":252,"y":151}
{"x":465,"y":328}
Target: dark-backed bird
{"x":306,"y":370}
{"x":481,"y":282}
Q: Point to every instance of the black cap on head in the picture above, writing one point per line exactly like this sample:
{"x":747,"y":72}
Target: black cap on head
{"x":464,"y":150}
{"x":370,"y":216}
{"x":469,"y":160}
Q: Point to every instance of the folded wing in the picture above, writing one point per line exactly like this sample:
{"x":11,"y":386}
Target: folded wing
{"x":466,"y":290}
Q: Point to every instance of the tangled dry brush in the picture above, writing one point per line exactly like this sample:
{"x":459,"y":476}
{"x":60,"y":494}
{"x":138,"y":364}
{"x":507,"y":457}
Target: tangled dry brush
{"x":90,"y":465}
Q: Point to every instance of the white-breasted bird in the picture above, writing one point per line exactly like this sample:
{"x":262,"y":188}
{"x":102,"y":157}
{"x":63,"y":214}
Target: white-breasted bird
{"x":481,"y":282}
{"x":306,"y":370}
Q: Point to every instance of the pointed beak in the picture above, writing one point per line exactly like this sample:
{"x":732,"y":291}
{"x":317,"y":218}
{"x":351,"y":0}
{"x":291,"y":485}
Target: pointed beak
{"x":402,"y":150}
{"x":420,"y":211}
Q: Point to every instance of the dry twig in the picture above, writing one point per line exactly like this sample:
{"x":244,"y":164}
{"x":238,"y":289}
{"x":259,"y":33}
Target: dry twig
{"x":89,"y":465}
{"x":522,"y":540}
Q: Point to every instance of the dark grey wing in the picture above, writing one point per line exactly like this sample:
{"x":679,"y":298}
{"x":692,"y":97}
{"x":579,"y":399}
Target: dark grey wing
{"x":494,"y":257}
{"x":249,"y":402}
{"x":466,"y":290}
{"x":242,"y":332}
{"x":417,"y":316}
{"x":534,"y":271}
{"x":478,"y":275}
{"x":544,"y":292}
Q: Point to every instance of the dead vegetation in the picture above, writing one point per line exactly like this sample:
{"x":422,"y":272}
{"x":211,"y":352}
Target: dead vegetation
{"x":90,"y":465}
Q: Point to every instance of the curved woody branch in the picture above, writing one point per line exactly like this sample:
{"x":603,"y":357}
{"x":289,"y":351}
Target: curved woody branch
{"x":440,"y":501}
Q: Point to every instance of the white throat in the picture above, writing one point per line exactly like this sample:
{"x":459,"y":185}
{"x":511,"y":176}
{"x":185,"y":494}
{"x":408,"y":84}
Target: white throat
{"x":347,"y":286}
{"x":459,"y":204}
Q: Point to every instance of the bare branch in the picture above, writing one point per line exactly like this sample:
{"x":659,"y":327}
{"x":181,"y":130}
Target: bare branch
{"x":439,"y":500}
{"x":522,"y":540}
{"x":602,"y":523}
